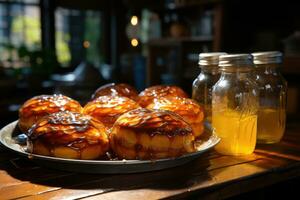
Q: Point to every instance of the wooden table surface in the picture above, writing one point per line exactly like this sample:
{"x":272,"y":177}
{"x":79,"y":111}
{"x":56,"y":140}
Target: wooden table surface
{"x":210,"y":177}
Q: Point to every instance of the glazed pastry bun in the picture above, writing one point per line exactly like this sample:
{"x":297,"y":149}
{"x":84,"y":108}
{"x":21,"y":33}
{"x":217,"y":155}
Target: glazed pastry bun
{"x":188,"y":109}
{"x":151,"y":134}
{"x":68,"y":135}
{"x":37,"y":107}
{"x":147,"y":96}
{"x":113,"y":89}
{"x":108,"y":108}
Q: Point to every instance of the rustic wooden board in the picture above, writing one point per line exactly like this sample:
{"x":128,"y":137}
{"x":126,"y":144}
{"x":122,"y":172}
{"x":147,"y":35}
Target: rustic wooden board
{"x":212,"y":176}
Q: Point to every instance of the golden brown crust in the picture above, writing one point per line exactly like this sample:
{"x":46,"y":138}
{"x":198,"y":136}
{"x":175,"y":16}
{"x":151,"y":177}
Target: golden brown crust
{"x":68,"y":135}
{"x":37,"y":107}
{"x":154,"y":122}
{"x":113,"y":89}
{"x":147,"y":96}
{"x":108,"y":108}
{"x":188,"y":109}
{"x":151,"y":134}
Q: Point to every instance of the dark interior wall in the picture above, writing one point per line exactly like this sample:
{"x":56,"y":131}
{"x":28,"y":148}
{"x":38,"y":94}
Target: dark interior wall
{"x":263,"y":26}
{"x":119,"y":41}
{"x":248,"y":25}
{"x":259,"y":25}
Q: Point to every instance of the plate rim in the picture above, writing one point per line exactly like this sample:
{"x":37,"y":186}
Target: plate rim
{"x":100,"y":162}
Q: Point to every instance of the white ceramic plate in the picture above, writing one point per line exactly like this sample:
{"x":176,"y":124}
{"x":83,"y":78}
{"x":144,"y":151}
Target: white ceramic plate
{"x":7,"y":134}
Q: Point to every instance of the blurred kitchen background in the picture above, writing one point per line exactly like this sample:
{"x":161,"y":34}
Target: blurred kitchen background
{"x":74,"y":46}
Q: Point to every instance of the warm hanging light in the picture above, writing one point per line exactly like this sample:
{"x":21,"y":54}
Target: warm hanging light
{"x":86,"y":44}
{"x":134,"y":20}
{"x":134,"y":42}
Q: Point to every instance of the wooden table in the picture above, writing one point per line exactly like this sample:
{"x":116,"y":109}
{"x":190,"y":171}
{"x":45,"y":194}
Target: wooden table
{"x":210,"y":177}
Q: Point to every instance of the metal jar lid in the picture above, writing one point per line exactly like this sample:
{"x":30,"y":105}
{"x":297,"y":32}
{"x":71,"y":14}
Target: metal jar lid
{"x":267,"y":57}
{"x":206,"y":59}
{"x":240,"y":62}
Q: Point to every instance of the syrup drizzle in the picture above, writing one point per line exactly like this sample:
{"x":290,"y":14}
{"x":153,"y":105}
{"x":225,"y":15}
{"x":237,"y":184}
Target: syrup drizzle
{"x":154,"y":122}
{"x":46,"y":104}
{"x":73,"y":130}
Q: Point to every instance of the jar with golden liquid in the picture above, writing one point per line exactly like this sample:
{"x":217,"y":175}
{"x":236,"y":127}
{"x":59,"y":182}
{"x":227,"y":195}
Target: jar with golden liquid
{"x":235,"y":100}
{"x":272,"y":101}
{"x":202,"y":85}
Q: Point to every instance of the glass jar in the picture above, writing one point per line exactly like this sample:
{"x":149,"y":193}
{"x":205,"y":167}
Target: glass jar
{"x":273,"y":94}
{"x":202,"y":85}
{"x":235,"y":104}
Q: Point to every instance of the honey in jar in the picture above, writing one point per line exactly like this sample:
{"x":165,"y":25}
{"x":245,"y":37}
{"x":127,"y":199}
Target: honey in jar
{"x":234,"y":105}
{"x":272,"y":100}
{"x":238,"y":132}
{"x":271,"y":125}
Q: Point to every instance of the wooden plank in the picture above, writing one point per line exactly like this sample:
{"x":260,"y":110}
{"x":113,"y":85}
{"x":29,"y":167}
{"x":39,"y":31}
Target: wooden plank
{"x":232,"y":180}
{"x":81,"y":193}
{"x":40,"y":186}
{"x":7,"y":180}
{"x":284,"y":150}
{"x":12,"y":192}
{"x":290,"y":144}
{"x":42,"y":176}
{"x":245,"y":172}
{"x":288,"y":148}
{"x":36,"y":175}
{"x":207,"y":173}
{"x":258,"y":180}
{"x":133,"y":181}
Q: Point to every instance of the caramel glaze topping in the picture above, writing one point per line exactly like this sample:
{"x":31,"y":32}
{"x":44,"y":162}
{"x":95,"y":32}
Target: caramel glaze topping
{"x":108,"y":108}
{"x":48,"y":104}
{"x":185,"y":107}
{"x":69,"y":129}
{"x":149,"y":94}
{"x":154,"y":122}
{"x":113,"y":89}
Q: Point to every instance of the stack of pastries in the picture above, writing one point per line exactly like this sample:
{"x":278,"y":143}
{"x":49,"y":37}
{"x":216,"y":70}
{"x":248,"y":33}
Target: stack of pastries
{"x":160,"y":122}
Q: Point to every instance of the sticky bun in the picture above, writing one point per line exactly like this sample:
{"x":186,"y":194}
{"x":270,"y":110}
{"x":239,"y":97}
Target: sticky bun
{"x":37,"y":107}
{"x":151,"y":134}
{"x":68,"y":135}
{"x":147,"y":96}
{"x":112,"y":89}
{"x":108,"y":108}
{"x":188,"y":109}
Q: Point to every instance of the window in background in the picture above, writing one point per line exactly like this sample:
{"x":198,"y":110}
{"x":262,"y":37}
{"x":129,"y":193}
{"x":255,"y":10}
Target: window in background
{"x":20,"y":31}
{"x":78,"y":36}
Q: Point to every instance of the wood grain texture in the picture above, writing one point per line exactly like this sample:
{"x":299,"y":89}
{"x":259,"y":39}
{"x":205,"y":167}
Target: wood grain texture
{"x":212,"y":176}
